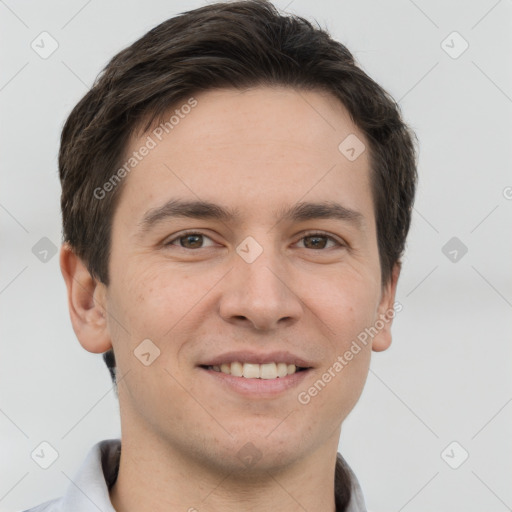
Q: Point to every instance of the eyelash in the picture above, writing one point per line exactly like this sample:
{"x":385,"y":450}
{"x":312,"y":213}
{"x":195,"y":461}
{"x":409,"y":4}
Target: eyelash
{"x":306,"y":235}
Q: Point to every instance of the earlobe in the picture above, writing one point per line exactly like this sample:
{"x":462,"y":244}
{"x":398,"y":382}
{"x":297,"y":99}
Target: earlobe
{"x":386,"y":312}
{"x":86,"y":302}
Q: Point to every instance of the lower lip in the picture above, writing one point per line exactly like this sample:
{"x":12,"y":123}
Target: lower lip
{"x":258,"y":388}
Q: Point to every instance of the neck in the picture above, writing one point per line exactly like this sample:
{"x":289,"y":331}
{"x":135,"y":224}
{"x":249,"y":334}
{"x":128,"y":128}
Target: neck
{"x":154,"y":476}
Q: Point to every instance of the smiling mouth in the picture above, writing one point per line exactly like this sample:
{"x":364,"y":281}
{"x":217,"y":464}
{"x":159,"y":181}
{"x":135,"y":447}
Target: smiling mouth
{"x":265,"y":371}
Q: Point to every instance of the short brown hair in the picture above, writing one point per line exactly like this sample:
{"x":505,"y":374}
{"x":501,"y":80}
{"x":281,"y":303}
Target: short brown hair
{"x":224,"y":45}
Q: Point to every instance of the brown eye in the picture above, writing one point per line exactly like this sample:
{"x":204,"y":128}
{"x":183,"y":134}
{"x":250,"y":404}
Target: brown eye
{"x":190,"y":241}
{"x":318,"y":241}
{"x":315,"y":242}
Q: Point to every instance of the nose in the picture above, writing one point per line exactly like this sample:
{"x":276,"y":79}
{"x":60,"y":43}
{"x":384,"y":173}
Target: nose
{"x":261,"y":294}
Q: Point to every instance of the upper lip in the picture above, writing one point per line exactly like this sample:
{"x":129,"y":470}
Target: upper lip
{"x":257,"y":358}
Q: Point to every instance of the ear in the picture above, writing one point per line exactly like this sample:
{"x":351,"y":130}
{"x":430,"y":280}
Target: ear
{"x":86,"y":302}
{"x":386,"y":312}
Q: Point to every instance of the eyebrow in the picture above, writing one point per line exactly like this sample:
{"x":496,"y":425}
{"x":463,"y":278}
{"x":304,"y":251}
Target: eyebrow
{"x":179,"y":208}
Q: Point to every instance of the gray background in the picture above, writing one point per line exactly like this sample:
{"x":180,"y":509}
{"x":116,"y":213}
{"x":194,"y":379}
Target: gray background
{"x":447,"y":375}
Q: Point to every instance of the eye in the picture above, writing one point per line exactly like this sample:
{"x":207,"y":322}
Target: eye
{"x":189,"y":240}
{"x":195,"y":240}
{"x":319,"y":241}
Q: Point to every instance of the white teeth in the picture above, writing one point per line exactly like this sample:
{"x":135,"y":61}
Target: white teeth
{"x":236,"y":369}
{"x":256,"y":371}
{"x":268,"y":371}
{"x":282,"y":369}
{"x":251,"y":371}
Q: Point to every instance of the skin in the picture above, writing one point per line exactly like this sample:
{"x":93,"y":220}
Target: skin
{"x":257,"y":151}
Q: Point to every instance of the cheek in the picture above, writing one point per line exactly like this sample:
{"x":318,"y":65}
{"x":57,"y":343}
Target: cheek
{"x":149,"y":299}
{"x":346,"y":304}
{"x":162,"y":303}
{"x":345,"y":307}
{"x":340,"y":380}
{"x":146,"y":305}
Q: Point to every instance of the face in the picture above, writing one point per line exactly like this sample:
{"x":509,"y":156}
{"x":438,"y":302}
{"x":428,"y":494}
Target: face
{"x":251,"y":298}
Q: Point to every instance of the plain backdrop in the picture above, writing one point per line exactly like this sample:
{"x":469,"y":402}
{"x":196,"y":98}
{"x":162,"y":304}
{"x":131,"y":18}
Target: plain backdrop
{"x":446,"y":378}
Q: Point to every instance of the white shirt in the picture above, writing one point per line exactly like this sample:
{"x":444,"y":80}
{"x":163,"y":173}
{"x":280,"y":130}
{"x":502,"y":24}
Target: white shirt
{"x":89,"y":490}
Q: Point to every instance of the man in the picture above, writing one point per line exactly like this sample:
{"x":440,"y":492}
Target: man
{"x":236,"y":195}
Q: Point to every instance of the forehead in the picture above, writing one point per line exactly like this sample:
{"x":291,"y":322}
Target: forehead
{"x":254,"y":150}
